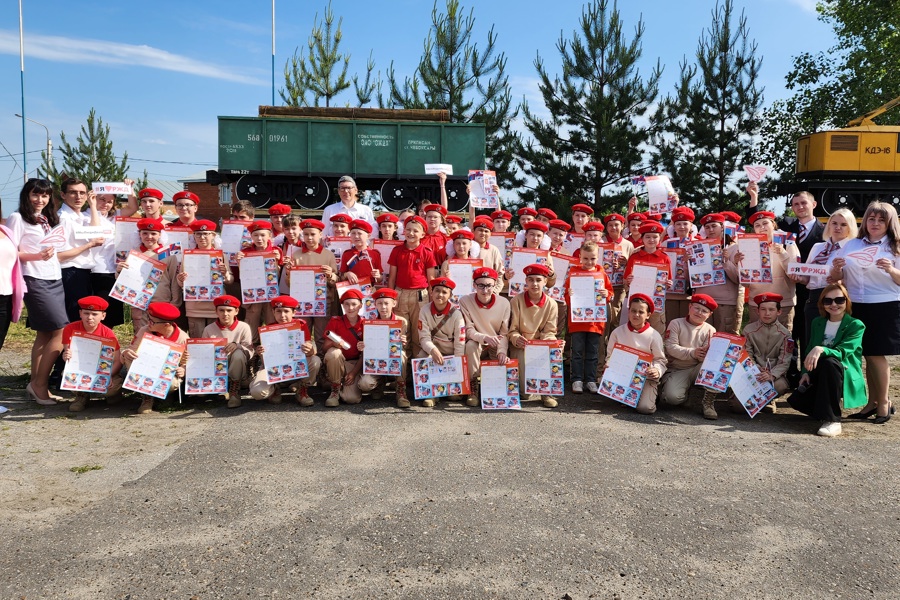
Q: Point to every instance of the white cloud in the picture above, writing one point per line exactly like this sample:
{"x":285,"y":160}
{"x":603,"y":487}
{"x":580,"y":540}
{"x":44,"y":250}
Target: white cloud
{"x":85,"y":51}
{"x":805,"y":5}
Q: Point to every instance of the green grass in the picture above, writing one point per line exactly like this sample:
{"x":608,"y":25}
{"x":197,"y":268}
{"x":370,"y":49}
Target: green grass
{"x":85,"y":468}
{"x":22,"y":338}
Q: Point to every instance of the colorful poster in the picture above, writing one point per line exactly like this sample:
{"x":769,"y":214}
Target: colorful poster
{"x":718,"y":366}
{"x":650,"y":279}
{"x":127,"y":236}
{"x":205,"y":280}
{"x":259,"y":277}
{"x":544,"y":368}
{"x":137,"y":283}
{"x":609,"y":257}
{"x":785,"y":238}
{"x":384,"y":247}
{"x":625,"y":374}
{"x":460,"y":271}
{"x":283,"y":358}
{"x":90,"y":368}
{"x":206,"y":371}
{"x":338,"y":245}
{"x":679,"y":270}
{"x":660,"y":194}
{"x":750,"y":392}
{"x":756,"y":266}
{"x":561,"y":265}
{"x":309,"y":287}
{"x":500,"y":385}
{"x":383,"y":352}
{"x":505,"y":242}
{"x":573,"y":242}
{"x":153,"y":371}
{"x":587,"y":304}
{"x":365,"y":287}
{"x":521,"y":258}
{"x":235,"y":238}
{"x":180,"y":239}
{"x":481,"y":190}
{"x":706,"y":265}
{"x":432,"y":380}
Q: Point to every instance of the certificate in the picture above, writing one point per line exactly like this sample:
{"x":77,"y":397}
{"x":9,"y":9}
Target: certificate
{"x":660,"y":194}
{"x":365,"y":287}
{"x":384,"y":247}
{"x":679,"y":270}
{"x":338,"y":245}
{"x":561,"y":265}
{"x":383,"y":352}
{"x":573,"y":242}
{"x":235,"y":238}
{"x":521,"y":258}
{"x":756,"y":266}
{"x":481,"y":189}
{"x":434,"y":381}
{"x":90,"y":368}
{"x":259,"y":277}
{"x":625,"y":374}
{"x":500,"y":385}
{"x":751,"y":393}
{"x":127,"y":237}
{"x":203,"y":280}
{"x":460,"y":272}
{"x":283,"y":359}
{"x":586,"y":301}
{"x":153,"y":371}
{"x":544,"y":367}
{"x":650,"y":279}
{"x":206,"y":371}
{"x":136,"y":285}
{"x":705,"y":263}
{"x":608,"y":256}
{"x":309,"y":287}
{"x":180,"y":239}
{"x":505,"y":243}
{"x":718,"y":366}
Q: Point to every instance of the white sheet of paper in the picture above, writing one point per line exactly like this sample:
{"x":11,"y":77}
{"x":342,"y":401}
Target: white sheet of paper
{"x":85,"y":355}
{"x":493,"y":382}
{"x":201,"y":361}
{"x":89,"y":232}
{"x":232,"y":235}
{"x":303,"y":286}
{"x":537,"y":362}
{"x":644,"y":281}
{"x":435,"y":168}
{"x":151,"y":358}
{"x":795,"y":268}
{"x":620,"y":367}
{"x":378,"y":342}
{"x":749,"y":247}
{"x":450,"y":372}
{"x":253,"y":273}
{"x":755,"y":173}
{"x":111,"y":187}
{"x":277,"y":345}
{"x":199,"y":270}
{"x":136,"y":274}
{"x":127,"y":236}
{"x":461,"y":274}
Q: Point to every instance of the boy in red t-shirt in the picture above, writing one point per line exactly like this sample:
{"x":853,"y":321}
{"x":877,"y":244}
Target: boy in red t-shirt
{"x":412,"y":268}
{"x":360,"y":262}
{"x":92,"y":311}
{"x":587,"y":336}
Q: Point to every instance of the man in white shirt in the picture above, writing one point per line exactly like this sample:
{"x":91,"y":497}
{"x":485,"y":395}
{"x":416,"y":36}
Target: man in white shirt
{"x":76,"y":259}
{"x":348,"y":194}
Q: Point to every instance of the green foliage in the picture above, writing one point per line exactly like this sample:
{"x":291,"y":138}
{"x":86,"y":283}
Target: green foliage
{"x":705,"y":130}
{"x":591,"y":142}
{"x":85,"y":469}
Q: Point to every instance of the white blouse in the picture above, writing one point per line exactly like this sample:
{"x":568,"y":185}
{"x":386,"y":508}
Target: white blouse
{"x":864,"y":281}
{"x":29,"y":237}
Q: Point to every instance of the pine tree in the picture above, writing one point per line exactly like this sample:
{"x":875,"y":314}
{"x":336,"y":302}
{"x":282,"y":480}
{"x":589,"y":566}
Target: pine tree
{"x":706,"y":129}
{"x":592,"y":141}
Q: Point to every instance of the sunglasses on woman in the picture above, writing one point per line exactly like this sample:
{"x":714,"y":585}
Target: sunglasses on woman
{"x":839,"y":300}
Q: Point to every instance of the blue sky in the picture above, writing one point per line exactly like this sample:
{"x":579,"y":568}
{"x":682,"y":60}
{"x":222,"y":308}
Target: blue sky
{"x":160,"y":72}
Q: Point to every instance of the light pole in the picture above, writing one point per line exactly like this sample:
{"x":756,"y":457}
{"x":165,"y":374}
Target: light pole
{"x":49,"y":141}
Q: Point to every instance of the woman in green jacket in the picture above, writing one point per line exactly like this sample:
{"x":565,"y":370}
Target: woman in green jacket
{"x":832,"y":370}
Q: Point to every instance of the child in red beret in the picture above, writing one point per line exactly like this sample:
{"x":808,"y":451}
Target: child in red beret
{"x":92,"y":311}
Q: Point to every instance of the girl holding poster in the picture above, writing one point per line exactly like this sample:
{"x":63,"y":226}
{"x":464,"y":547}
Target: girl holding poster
{"x":651,"y":235}
{"x":728,"y":294}
{"x":203,"y":313}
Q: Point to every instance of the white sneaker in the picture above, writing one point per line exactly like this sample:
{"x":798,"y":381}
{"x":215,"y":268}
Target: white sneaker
{"x":830,"y":429}
{"x":592,"y":387}
{"x":577,"y":387}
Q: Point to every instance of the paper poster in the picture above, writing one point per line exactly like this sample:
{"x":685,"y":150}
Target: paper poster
{"x":235,"y":238}
{"x":259,"y":277}
{"x":625,"y":374}
{"x":309,"y":287}
{"x":755,"y":267}
{"x":283,"y":359}
{"x":561,"y":265}
{"x":337,"y":245}
{"x":481,"y":190}
{"x":679,"y":270}
{"x":544,"y":367}
{"x":460,"y":272}
{"x":505,"y":243}
{"x":809,"y":270}
{"x":573,"y":242}
{"x":785,"y":238}
{"x":127,"y":237}
{"x":660,"y":194}
{"x":650,"y":279}
{"x":365,"y":287}
{"x":723,"y":354}
{"x":384,"y":247}
{"x":204,"y":279}
{"x":751,"y":393}
{"x":90,"y":368}
{"x":110,"y":187}
{"x":90,"y":232}
{"x":206,"y":371}
{"x":136,"y":284}
{"x":500,"y":385}
{"x":180,"y":240}
{"x":521,"y":258}
{"x":432,"y":380}
{"x":153,"y":371}
{"x":383,"y":352}
{"x":435,"y":168}
{"x":586,"y":301}
{"x":608,"y":256}
{"x":706,"y":265}
{"x":755,"y":173}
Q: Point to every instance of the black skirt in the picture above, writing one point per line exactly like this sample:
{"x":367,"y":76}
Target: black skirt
{"x":46,"y":303}
{"x":882,"y":321}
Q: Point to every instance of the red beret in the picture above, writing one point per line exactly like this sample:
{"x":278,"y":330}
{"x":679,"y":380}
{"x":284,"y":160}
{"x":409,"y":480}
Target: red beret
{"x":501,"y":214}
{"x":341,"y":218}
{"x":651,"y":227}
{"x":614,"y":217}
{"x":93,"y":303}
{"x":593,"y":226}
{"x":536,"y":269}
{"x":416,"y":219}
{"x":763,"y":214}
{"x":150,"y":193}
{"x":351,"y":294}
{"x":312,"y":224}
{"x":546,"y":213}
{"x":453,"y":219}
{"x":257,"y":225}
{"x":485,"y":272}
{"x":767,"y":297}
{"x":583,"y":208}
{"x":713,"y":218}
{"x":483,"y":221}
{"x":731,"y":216}
{"x":643,"y":297}
{"x":163,"y":311}
{"x":284,"y":302}
{"x":683,"y":213}
{"x":150,"y":225}
{"x":385,"y":292}
{"x":704,"y":300}
{"x":635,"y":216}
{"x":536,"y":225}
{"x":185,"y":195}
{"x":203,"y":225}
{"x":559,"y":224}
{"x":443,"y":281}
{"x":279,"y":209}
{"x":462,"y":233}
{"x":387,"y":218}
{"x":526,"y":211}
{"x":656,"y":217}
{"x":436,"y":208}
{"x":227,"y":300}
{"x":360,"y":224}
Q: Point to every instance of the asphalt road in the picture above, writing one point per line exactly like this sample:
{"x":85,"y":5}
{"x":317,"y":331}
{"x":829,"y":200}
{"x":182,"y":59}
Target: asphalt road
{"x":589,"y":500}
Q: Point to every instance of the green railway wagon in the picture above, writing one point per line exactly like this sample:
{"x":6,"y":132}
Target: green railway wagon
{"x":286,"y":157}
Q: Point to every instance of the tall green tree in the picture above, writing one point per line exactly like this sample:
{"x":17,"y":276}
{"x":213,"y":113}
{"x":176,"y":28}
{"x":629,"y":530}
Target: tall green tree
{"x":591,"y":142}
{"x":705,"y":130}
{"x":469,"y":81}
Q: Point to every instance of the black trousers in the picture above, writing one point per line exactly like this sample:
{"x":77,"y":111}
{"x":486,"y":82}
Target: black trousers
{"x":101,"y":284}
{"x":822,"y":399}
{"x":6,"y":307}
{"x":77,"y":285}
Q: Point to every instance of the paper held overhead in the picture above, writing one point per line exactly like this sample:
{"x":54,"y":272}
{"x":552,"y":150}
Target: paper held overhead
{"x":435,"y":168}
{"x":755,"y":173}
{"x":107,"y":187}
